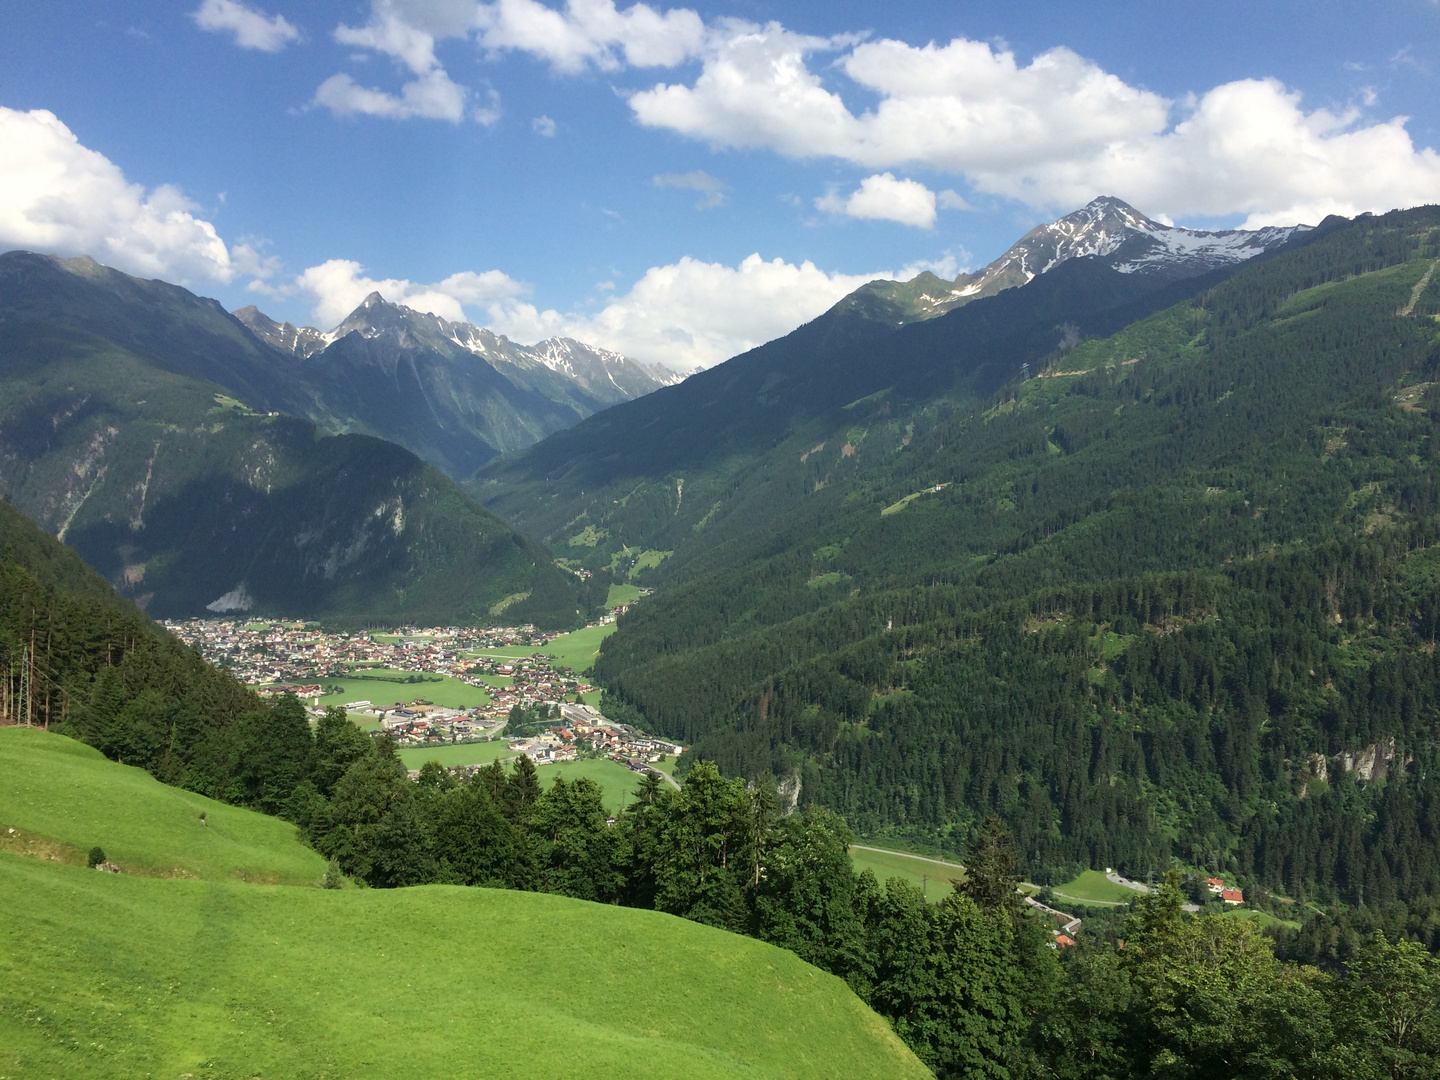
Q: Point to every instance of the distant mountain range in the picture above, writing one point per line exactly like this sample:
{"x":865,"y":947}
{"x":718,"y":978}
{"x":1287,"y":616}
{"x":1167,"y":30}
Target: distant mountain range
{"x":145,"y":427}
{"x":454,"y":393}
{"x":886,"y":346}
{"x":1106,"y":230}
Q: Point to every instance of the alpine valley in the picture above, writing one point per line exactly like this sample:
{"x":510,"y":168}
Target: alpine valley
{"x":203,"y":469}
{"x":1118,"y":556}
{"x":1130,"y":535}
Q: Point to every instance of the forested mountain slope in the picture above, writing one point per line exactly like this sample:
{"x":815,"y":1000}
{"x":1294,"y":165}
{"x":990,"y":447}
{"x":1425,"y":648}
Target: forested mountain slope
{"x":683,"y":468}
{"x":1175,"y":595}
{"x":119,"y":432}
{"x":453,"y":393}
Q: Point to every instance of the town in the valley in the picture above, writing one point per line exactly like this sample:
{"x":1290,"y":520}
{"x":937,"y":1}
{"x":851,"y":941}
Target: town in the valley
{"x":388,"y":681}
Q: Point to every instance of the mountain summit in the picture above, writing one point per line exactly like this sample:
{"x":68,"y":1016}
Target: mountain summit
{"x":1107,"y":229}
{"x":452,"y":392}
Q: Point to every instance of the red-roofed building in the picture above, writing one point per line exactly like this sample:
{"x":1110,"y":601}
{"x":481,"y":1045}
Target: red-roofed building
{"x":1232,"y":896}
{"x":1063,"y":941}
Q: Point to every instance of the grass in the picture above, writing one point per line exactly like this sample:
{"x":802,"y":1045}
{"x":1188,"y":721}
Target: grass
{"x":648,"y":560}
{"x":916,"y":869}
{"x":479,"y":753}
{"x":113,"y":976}
{"x":110,"y":976}
{"x":616,"y":781}
{"x":622,"y":594}
{"x":900,"y":504}
{"x":578,"y":650}
{"x":59,"y":790}
{"x":449,"y":692}
{"x":1094,"y":885}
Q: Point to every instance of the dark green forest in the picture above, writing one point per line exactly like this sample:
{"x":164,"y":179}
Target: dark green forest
{"x":969,"y":983}
{"x":1172,"y":599}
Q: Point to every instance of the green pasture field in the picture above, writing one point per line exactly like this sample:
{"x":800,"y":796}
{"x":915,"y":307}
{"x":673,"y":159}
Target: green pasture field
{"x":449,"y":692}
{"x":1094,"y":885}
{"x":505,"y":652}
{"x":616,"y":781}
{"x":933,"y":878}
{"x":622,"y":594}
{"x":479,"y":753}
{"x":111,"y":976}
{"x":578,"y":650}
{"x":64,"y":798}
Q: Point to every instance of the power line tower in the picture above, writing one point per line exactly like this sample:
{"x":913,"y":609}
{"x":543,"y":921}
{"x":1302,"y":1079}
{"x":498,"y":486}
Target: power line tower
{"x":23,"y":712}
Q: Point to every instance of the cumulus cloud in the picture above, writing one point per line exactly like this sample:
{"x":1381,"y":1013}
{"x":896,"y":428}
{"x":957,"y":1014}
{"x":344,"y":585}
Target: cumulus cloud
{"x":59,"y":196}
{"x":686,"y":315}
{"x":591,"y":33}
{"x":338,"y":286}
{"x":1052,"y":133}
{"x":252,"y":29}
{"x":712,"y":190}
{"x":394,"y":31}
{"x":884,"y":198}
{"x":586,"y":34}
{"x":543,"y":126}
{"x":433,"y":96}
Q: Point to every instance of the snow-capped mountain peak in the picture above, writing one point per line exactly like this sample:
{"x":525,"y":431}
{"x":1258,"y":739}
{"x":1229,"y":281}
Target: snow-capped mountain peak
{"x":1106,"y":228}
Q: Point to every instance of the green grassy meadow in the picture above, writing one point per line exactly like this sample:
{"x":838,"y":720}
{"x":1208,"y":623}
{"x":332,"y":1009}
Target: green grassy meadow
{"x":1094,"y":885}
{"x":916,"y":869}
{"x":122,"y":975}
{"x":63,"y":791}
{"x":479,"y":753}
{"x":449,"y":693}
{"x":622,"y":594}
{"x":578,"y":650}
{"x":616,"y":781}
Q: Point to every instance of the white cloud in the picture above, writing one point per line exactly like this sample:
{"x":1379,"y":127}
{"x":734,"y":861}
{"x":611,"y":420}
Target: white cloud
{"x":430,"y":94}
{"x":687,"y":314}
{"x":59,"y":196}
{"x":1052,"y":133}
{"x":543,"y":125}
{"x":252,"y":29}
{"x":591,"y":33}
{"x":712,"y":190}
{"x":338,"y":286}
{"x":587,"y":33}
{"x":884,"y":198}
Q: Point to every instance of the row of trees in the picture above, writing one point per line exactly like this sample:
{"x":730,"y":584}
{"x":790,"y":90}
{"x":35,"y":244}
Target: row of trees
{"x":970,"y":983}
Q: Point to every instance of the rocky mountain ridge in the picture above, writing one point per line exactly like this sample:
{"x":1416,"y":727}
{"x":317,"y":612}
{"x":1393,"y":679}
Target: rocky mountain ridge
{"x":1107,"y":229}
{"x":608,"y":375}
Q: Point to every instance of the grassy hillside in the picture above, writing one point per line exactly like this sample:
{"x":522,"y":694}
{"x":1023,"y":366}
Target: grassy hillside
{"x":107,"y":976}
{"x":64,"y":798}
{"x":126,"y":975}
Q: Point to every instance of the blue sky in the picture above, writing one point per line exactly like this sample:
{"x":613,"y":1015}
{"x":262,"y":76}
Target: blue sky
{"x":676,"y":183}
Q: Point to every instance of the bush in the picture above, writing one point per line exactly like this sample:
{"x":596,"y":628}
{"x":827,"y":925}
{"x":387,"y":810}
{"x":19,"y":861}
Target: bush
{"x":97,"y":856}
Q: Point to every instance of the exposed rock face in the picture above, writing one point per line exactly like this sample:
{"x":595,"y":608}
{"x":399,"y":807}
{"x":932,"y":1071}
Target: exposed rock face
{"x":1374,"y":762}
